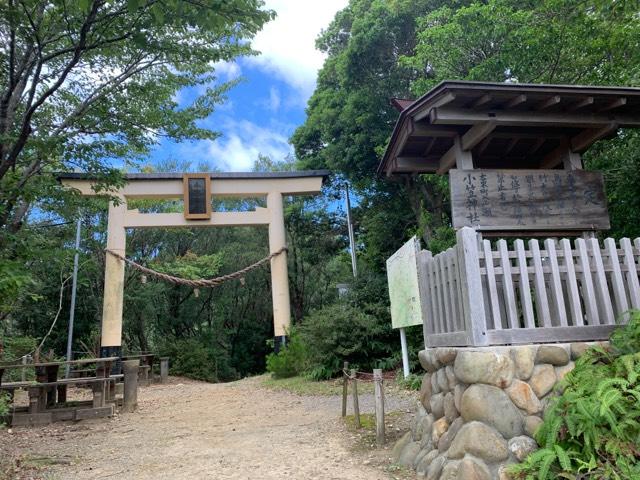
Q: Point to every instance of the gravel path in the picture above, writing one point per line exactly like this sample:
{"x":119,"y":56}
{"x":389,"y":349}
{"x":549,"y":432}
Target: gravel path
{"x":193,"y":430}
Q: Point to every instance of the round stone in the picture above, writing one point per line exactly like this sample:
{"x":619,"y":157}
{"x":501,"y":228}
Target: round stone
{"x":434,"y":384}
{"x":543,"y":379}
{"x":457,"y":395}
{"x":578,"y":349}
{"x":450,"y":410}
{"x":531,"y":425}
{"x":524,"y":361}
{"x":433,"y":473}
{"x":473,"y":469}
{"x":446,"y":355}
{"x":445,"y":441}
{"x":399,"y":446}
{"x":552,"y":354}
{"x":443,"y":381}
{"x":451,"y":377}
{"x":422,"y":427}
{"x":423,"y":465}
{"x":523,"y":397}
{"x":439,"y":428}
{"x":428,"y":360}
{"x":437,"y":405}
{"x":409,"y":454}
{"x":562,"y":372}
{"x":425,"y":390}
{"x":492,"y":406}
{"x":522,"y":446}
{"x":450,"y":470}
{"x":479,"y":440}
{"x":484,"y":367}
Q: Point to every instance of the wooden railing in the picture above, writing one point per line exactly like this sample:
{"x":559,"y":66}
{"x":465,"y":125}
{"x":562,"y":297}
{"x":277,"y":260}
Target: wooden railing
{"x":477,"y":293}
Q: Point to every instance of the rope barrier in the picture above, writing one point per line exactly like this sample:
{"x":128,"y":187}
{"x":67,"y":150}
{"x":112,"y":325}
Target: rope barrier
{"x":203,"y":282}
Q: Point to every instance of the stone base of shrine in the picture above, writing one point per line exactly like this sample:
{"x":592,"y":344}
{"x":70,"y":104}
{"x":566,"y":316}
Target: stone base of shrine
{"x":480,"y":408}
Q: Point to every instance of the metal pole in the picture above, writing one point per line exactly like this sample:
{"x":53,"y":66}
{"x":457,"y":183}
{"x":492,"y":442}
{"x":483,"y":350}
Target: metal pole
{"x":405,"y":353}
{"x":352,"y":243}
{"x":73,"y":298}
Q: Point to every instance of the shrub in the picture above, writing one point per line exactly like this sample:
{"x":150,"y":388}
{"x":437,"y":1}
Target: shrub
{"x":289,"y":361}
{"x":342,"y":332}
{"x":592,"y":430}
{"x":197,"y":358}
{"x":4,"y":406}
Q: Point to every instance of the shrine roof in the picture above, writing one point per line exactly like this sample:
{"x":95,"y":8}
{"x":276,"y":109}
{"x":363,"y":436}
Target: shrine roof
{"x":505,"y":125}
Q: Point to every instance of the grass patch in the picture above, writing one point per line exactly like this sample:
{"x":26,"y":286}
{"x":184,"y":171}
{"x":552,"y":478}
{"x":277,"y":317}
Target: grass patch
{"x":304,"y":386}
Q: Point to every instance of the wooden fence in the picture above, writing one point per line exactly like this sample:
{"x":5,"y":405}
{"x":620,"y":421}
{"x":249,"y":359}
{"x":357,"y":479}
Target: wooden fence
{"x":477,"y":293}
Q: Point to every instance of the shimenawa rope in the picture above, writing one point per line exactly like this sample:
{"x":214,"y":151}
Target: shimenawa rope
{"x":204,"y":282}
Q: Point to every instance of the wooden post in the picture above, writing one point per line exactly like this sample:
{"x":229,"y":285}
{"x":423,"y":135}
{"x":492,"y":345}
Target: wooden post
{"x":354,"y":391}
{"x":471,"y":281}
{"x":345,"y":388}
{"x":379,"y":394}
{"x":164,"y":369}
{"x":130,"y":396}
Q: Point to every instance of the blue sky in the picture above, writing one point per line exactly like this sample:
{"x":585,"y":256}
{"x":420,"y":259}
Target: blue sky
{"x":262,"y":111}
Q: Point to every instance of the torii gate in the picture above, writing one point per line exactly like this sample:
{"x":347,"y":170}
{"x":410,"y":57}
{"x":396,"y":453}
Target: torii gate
{"x":196,"y":190}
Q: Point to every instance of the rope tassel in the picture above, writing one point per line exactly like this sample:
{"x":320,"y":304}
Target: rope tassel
{"x":204,"y":282}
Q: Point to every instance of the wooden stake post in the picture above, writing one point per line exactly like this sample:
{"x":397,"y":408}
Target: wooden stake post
{"x":379,"y":394}
{"x":345,"y":388}
{"x":354,"y":391}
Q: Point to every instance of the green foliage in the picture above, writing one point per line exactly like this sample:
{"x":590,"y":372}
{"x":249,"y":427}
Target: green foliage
{"x":197,"y":358}
{"x":592,"y":429}
{"x":4,"y":406}
{"x":289,"y":361}
{"x":356,"y":329}
{"x":412,"y":382}
{"x":192,"y":266}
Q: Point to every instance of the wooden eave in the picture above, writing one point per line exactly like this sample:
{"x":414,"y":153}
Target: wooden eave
{"x":505,"y":125}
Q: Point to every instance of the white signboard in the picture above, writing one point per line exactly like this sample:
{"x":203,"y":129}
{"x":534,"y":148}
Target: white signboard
{"x":404,"y":292}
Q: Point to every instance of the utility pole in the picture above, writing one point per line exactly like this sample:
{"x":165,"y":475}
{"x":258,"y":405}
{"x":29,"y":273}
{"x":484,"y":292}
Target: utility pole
{"x":73,"y":298}
{"x":352,"y":243}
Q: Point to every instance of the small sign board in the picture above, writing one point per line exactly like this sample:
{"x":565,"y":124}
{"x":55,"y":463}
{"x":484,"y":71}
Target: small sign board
{"x":501,"y":200}
{"x":197,"y":196}
{"x":404,"y":290}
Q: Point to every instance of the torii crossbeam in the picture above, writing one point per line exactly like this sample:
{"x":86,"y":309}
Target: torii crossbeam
{"x":273,"y":186}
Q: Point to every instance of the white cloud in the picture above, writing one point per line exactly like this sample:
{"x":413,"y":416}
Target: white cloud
{"x":238,"y":148}
{"x":227,"y":70}
{"x":287,"y":44}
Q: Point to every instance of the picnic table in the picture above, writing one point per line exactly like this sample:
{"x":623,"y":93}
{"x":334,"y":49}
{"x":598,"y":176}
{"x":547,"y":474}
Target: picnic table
{"x":145,"y":374}
{"x":48,"y":394}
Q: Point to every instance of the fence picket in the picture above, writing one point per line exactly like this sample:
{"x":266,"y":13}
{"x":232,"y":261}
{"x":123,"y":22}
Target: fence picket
{"x":432,"y":292}
{"x":525,"y":289}
{"x":452,"y":274}
{"x":617,"y":282}
{"x":491,"y":282}
{"x":445,"y":293}
{"x":507,"y":285}
{"x":632,"y":272}
{"x":601,"y":282}
{"x":572,"y":283}
{"x":588,"y":292}
{"x":542,"y":302}
{"x":436,"y":275}
{"x":556,"y":284}
{"x":424,"y":256}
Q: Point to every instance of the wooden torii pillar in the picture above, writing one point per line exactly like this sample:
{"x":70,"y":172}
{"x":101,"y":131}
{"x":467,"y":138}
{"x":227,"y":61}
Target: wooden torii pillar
{"x":272,"y":186}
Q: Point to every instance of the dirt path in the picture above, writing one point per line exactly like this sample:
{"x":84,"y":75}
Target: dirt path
{"x":192,"y":430}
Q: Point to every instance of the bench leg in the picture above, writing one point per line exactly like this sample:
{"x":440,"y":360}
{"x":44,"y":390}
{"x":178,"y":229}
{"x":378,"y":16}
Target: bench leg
{"x":98,"y":395}
{"x":62,"y":393}
{"x":34,"y":400}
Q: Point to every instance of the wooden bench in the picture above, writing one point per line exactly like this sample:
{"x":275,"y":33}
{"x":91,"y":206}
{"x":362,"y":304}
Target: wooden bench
{"x":48,"y":395}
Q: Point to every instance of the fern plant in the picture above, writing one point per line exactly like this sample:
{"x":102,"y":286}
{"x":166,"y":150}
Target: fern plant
{"x":592,"y":430}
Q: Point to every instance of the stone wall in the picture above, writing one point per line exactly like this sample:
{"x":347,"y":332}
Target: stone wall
{"x":480,"y":407}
